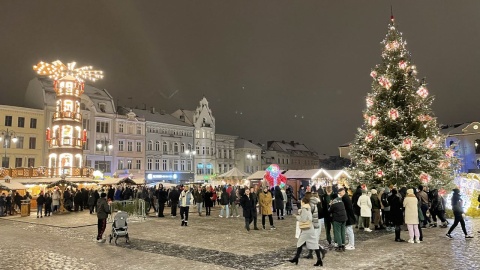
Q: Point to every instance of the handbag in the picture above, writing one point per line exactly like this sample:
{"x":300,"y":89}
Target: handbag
{"x":305,"y":225}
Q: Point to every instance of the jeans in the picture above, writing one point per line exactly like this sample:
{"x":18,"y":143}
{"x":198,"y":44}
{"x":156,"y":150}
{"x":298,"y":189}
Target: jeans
{"x":424,"y":208}
{"x":339,"y":232}
{"x":225,"y":207}
{"x":199,"y":207}
{"x":39,"y":210}
{"x":351,"y":236}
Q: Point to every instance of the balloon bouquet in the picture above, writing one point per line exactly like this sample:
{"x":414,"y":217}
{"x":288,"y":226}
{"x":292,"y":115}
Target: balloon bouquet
{"x":274,"y":177}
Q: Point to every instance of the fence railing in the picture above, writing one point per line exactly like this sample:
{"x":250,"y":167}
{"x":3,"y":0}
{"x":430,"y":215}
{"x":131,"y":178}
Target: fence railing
{"x":134,"y":208}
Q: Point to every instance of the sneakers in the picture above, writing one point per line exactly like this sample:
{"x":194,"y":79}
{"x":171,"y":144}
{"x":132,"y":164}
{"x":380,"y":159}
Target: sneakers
{"x":367,"y":230}
{"x":101,"y":240}
{"x":273,"y":228}
{"x":220,"y":216}
{"x":448,"y":236}
{"x":418,"y":241}
{"x":411,"y":241}
{"x":468,"y":236}
{"x":348,"y":247}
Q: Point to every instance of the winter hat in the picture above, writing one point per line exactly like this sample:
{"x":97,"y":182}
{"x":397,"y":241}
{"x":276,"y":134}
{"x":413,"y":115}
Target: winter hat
{"x":103,"y":195}
{"x":409,"y":191}
{"x":456,"y":190}
{"x":374,"y":191}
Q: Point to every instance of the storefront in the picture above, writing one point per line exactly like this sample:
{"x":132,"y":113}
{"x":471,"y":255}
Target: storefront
{"x":169,"y":177}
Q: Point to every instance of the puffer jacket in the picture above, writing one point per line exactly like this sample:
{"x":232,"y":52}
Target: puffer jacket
{"x":337,"y":208}
{"x":313,"y":206}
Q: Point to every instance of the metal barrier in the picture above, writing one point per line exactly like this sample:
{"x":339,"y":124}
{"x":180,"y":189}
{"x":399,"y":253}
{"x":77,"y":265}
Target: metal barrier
{"x":134,"y":208}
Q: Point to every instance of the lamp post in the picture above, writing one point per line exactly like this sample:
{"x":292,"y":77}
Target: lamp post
{"x":191,"y":154}
{"x":7,"y":137}
{"x":251,"y":157}
{"x":104,"y":145}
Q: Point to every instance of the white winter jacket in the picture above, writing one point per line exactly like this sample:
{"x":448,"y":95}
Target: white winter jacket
{"x":365,"y":205}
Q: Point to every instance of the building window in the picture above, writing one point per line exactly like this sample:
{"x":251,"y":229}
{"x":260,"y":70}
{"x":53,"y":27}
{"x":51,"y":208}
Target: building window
{"x":157,"y":164}
{"x":85,"y":124}
{"x":219,"y":168}
{"x":138,"y":164}
{"x":175,"y":148}
{"x":150,"y":146}
{"x":164,"y":164}
{"x":200,"y":168}
{"x":19,"y":142}
{"x":120,"y":165}
{"x":189,"y":147}
{"x":102,"y":127}
{"x":149,"y":164}
{"x":18,"y":162}
{"x":182,"y":148}
{"x":182,"y":165}
{"x":102,"y":107}
{"x":85,"y":145}
{"x":8,"y":120}
{"x":198,"y":150}
{"x":32,"y":144}
{"x":120,"y":127}
{"x":31,"y":162}
{"x":209,"y":169}
{"x":176,"y":164}
{"x":5,"y":162}
{"x":129,"y":164}
{"x":157,"y":146}
{"x":197,"y":134}
{"x":130,"y":146}
{"x":477,"y":146}
{"x":102,"y":166}
{"x":33,"y":123}
{"x":21,"y":122}
{"x":165,"y":147}
{"x":139,"y":130}
{"x":121,"y":145}
{"x":139,"y":146}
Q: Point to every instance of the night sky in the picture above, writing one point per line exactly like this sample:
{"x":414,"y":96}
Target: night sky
{"x":271,"y":70}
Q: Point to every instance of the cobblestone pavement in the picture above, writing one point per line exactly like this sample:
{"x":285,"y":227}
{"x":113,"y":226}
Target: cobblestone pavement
{"x":68,"y":242}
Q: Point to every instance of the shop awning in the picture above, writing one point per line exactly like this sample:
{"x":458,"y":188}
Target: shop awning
{"x":11,"y":186}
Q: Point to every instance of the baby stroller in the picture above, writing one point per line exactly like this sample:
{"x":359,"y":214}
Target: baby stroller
{"x":119,"y":227}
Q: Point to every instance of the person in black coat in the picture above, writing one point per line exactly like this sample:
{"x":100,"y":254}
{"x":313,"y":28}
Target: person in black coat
{"x":162,"y":198}
{"x":84,"y":199}
{"x":249,"y":206}
{"x":279,"y":202}
{"x":396,"y":213}
{"x":208,"y":196}
{"x":110,"y":193}
{"x":173,"y":196}
{"x":48,"y":204}
{"x":351,"y":220}
{"x":327,"y":219}
{"x":40,"y":203}
{"x":457,"y":207}
{"x":356,"y":208}
{"x":78,"y":201}
{"x":339,"y":218}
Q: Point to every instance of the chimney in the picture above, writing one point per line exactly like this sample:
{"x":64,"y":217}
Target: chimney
{"x":250,"y":141}
{"x":162,"y":112}
{"x":292,"y":143}
{"x":152,"y":109}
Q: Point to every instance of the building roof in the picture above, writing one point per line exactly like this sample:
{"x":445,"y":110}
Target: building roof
{"x":242,"y":143}
{"x":160,"y":118}
{"x":454,"y":129}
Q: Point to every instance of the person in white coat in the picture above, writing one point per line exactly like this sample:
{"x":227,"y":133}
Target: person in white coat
{"x":410,"y":203}
{"x":365,"y":211}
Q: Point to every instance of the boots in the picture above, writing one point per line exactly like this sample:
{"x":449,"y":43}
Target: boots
{"x":319,"y":259}
{"x":183,"y":222}
{"x":295,"y":259}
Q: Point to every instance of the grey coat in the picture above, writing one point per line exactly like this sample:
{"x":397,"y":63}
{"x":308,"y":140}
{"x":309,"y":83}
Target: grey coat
{"x":313,"y":206}
{"x":307,"y":236}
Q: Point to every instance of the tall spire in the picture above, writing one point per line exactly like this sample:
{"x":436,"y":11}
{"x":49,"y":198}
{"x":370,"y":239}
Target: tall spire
{"x":391,"y":14}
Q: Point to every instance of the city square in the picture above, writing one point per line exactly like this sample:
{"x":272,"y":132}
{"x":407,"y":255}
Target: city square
{"x":264,"y":135}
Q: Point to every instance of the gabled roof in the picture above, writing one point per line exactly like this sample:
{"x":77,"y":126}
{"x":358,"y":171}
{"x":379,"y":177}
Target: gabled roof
{"x":160,"y":118}
{"x":242,"y":143}
{"x":454,"y":129}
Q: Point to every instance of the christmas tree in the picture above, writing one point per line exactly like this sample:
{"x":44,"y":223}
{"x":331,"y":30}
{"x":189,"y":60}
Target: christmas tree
{"x":400,"y":142}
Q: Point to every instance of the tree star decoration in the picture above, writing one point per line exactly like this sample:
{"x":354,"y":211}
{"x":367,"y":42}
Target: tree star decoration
{"x":425,"y":177}
{"x":395,"y":154}
{"x":372,"y":120}
{"x":393,"y":114}
{"x":407,"y":144}
{"x":385,"y":82}
{"x":422,"y":91}
{"x":58,"y":70}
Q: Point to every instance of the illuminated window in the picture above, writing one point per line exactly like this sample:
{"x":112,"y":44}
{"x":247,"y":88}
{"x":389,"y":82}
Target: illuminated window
{"x":200,"y":168}
{"x":120,"y":165}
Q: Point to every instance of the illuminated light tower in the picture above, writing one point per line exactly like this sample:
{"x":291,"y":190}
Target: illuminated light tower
{"x":66,"y":137}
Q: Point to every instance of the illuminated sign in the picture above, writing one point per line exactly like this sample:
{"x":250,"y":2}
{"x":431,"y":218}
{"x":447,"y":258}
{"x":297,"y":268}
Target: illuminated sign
{"x":151,"y":176}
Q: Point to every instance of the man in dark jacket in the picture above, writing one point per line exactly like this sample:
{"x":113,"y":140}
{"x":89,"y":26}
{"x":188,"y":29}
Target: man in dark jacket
{"x":327,"y":219}
{"x":351,"y":220}
{"x":102,"y":213}
{"x":40,"y":203}
{"x":339,"y":217}
{"x":173,"y":196}
{"x":161,"y":194}
{"x":356,"y":208}
{"x":249,"y":206}
{"x":198,"y":196}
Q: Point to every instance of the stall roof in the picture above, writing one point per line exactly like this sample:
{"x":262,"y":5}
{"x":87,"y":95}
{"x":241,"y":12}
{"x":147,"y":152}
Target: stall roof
{"x":13,"y":185}
{"x":116,"y":181}
{"x":315,"y":173}
{"x":47,"y":181}
{"x":256,"y":175}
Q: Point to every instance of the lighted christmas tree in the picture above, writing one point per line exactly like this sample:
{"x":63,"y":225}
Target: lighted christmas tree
{"x":400,"y":142}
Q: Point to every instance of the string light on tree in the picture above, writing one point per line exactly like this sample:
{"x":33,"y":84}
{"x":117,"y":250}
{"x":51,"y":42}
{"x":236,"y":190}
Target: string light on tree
{"x":369,"y":102}
{"x":373,"y":74}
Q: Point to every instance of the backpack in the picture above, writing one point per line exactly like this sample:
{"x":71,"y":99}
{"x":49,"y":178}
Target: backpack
{"x":384,"y":200}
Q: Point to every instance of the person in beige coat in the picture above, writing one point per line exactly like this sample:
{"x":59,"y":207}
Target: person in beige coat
{"x":265,"y":201}
{"x":365,"y":205}
{"x":410,"y":203}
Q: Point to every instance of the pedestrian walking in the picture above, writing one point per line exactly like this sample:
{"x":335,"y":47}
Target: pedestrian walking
{"x":185,"y":200}
{"x":307,"y":234}
{"x":102,"y":213}
{"x":457,"y":207}
{"x":224,"y":202}
{"x":199,"y":197}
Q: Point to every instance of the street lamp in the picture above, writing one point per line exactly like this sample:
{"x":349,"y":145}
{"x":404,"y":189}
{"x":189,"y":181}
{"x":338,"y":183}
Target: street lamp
{"x":251,"y":157}
{"x":7,"y":137}
{"x":104,"y":145}
{"x":191,"y":154}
